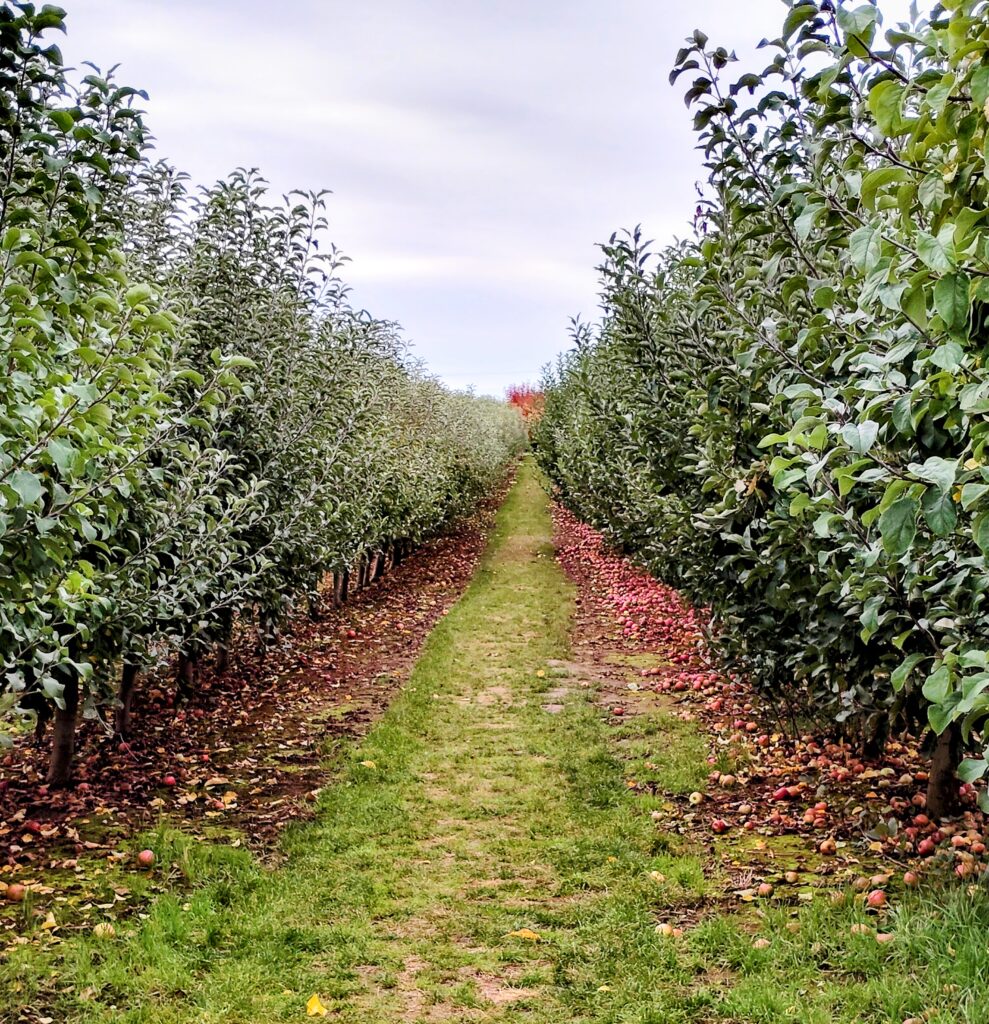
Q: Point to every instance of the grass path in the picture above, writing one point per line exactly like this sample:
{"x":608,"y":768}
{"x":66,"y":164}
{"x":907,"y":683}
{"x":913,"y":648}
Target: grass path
{"x":470,"y":812}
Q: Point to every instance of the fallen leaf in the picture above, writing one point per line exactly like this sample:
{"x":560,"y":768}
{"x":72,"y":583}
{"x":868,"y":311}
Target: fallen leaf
{"x":526,"y":933}
{"x":315,"y":1007}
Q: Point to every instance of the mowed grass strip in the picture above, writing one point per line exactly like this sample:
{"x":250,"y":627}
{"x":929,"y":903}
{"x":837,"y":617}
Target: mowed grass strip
{"x":468,"y":813}
{"x":472,"y":812}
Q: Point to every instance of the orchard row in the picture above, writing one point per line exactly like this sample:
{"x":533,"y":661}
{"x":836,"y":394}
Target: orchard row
{"x":785,"y":416}
{"x":196,"y":428}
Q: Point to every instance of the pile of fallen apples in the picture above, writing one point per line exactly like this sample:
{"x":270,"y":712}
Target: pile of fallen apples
{"x":805,"y":785}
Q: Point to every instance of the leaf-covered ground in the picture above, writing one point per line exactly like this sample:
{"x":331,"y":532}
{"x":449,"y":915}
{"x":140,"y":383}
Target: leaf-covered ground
{"x":503,"y":846}
{"x":767,"y":773}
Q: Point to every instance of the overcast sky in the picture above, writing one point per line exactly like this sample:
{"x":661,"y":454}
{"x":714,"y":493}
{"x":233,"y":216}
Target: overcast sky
{"x":477,"y":150}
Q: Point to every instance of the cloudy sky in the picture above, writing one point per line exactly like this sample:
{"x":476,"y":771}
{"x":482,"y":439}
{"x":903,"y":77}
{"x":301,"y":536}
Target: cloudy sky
{"x":477,"y":151}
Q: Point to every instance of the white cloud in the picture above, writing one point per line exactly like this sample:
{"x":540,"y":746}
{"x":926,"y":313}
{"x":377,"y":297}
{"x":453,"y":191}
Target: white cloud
{"x":476,"y":151}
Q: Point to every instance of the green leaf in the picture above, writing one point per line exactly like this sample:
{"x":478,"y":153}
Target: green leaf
{"x":62,"y":454}
{"x":936,"y":470}
{"x":931,"y":192}
{"x":933,"y":252}
{"x":902,"y":673}
{"x":951,"y":299}
{"x":979,"y":85}
{"x":885,"y":100}
{"x":971,"y":493}
{"x":860,"y":437}
{"x":937,"y":685}
{"x":902,"y":414}
{"x":939,"y":718}
{"x":898,"y":526}
{"x":870,"y":616}
{"x":948,"y":356}
{"x":972,"y":769}
{"x":980,"y":531}
{"x":27,"y":486}
{"x":797,"y":16}
{"x":873,"y":181}
{"x":865,"y":247}
{"x":62,"y":119}
{"x":859,"y":23}
{"x":939,"y":512}
{"x":137,"y":294}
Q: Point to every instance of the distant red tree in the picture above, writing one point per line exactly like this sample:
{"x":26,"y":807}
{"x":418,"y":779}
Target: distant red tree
{"x":528,"y":400}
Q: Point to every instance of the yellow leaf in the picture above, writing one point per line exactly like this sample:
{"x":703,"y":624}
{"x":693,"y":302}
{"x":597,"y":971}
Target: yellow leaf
{"x":368,"y":764}
{"x":604,"y":988}
{"x":50,"y":922}
{"x":540,"y":674}
{"x":526,"y":933}
{"x":315,"y":1007}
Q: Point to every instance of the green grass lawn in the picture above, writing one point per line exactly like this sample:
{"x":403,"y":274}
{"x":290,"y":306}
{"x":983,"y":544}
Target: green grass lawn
{"x":470,"y":813}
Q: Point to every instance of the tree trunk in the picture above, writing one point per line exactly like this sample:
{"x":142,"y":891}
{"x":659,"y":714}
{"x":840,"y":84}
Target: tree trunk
{"x":186,"y":676}
{"x":222,"y":649}
{"x":344,"y":586}
{"x":64,"y":735}
{"x":874,"y":745}
{"x":379,"y":566}
{"x":315,"y":608}
{"x":128,"y":677}
{"x":942,"y":786}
